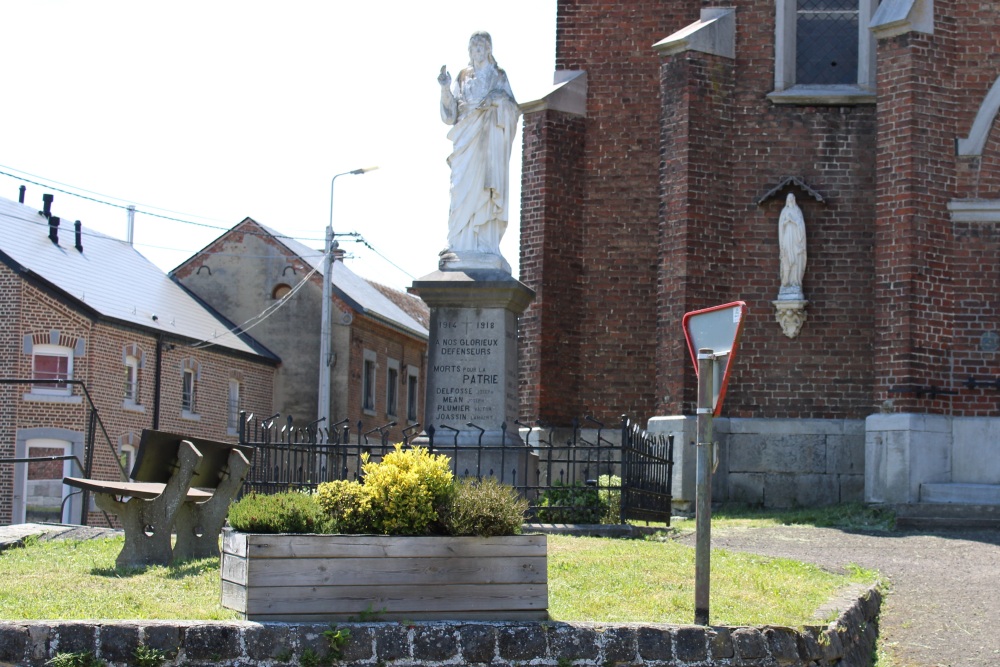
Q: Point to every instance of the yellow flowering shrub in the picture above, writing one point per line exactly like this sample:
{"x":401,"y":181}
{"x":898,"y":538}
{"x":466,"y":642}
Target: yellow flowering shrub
{"x":349,"y":506}
{"x":409,"y":490}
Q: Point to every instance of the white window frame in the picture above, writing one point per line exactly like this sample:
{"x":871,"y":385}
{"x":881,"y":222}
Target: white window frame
{"x":52,"y":351}
{"x":787,"y":91}
{"x":412,"y":395}
{"x":189,"y":386}
{"x":392,"y":387}
{"x":369,"y":367}
{"x":233,"y":407}
{"x":66,"y":513}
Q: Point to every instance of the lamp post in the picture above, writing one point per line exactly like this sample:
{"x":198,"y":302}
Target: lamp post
{"x":326,"y":314}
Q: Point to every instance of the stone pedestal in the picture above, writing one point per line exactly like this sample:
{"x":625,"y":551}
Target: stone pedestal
{"x":472,"y":368}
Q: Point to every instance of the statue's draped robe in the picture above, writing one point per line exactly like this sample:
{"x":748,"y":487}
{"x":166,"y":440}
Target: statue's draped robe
{"x":482,"y":139}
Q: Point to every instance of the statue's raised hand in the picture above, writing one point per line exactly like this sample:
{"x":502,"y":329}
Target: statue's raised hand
{"x":444,"y":78}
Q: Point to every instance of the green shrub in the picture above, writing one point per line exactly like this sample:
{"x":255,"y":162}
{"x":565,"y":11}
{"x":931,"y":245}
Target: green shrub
{"x":286,"y":512}
{"x":409,"y":490}
{"x":348,"y":505}
{"x":570,"y":503}
{"x":485,"y":508}
{"x":611,"y":498}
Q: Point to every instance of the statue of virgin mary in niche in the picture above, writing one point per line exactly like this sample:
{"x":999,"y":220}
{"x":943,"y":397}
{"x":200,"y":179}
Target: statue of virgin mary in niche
{"x":792,"y":245}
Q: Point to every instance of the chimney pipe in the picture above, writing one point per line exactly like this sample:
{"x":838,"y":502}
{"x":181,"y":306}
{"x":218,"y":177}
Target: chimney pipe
{"x":54,"y":229}
{"x":78,"y":226}
{"x":130,"y":230}
{"x":47,"y":205}
{"x":20,"y":194}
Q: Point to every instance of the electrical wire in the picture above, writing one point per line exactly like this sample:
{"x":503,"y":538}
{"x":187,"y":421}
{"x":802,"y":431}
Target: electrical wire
{"x":259,"y":317}
{"x":353,"y":236}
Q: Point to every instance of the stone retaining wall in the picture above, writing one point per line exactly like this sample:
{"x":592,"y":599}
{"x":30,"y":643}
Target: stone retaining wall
{"x":847,"y":642}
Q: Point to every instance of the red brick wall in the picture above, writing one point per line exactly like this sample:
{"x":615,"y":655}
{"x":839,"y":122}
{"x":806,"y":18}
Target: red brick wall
{"x":551,"y":208}
{"x":609,"y":323}
{"x":10,"y":348}
{"x":34,"y":312}
{"x":670,"y":221}
{"x":386,"y":344}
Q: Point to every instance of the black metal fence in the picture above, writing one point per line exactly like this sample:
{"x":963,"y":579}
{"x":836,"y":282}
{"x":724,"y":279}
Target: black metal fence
{"x":581,"y":473}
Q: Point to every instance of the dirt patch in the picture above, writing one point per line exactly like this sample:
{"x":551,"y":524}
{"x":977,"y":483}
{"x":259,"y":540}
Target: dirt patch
{"x":943,"y":604}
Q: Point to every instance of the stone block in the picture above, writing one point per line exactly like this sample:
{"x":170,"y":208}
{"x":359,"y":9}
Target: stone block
{"x":809,"y":646}
{"x":391,"y":642}
{"x":783,"y":644}
{"x":75,"y":637}
{"x":746,"y":488}
{"x":619,"y":644}
{"x":520,"y":643}
{"x":13,"y":643}
{"x":655,"y":644}
{"x":572,"y":642}
{"x":479,"y":643}
{"x":269,"y":642}
{"x":436,"y":643}
{"x":776,"y":454}
{"x":119,"y":642}
{"x":212,"y":643}
{"x":845,"y":455}
{"x":692,"y":644}
{"x":852,"y":488}
{"x":749,"y":644}
{"x":40,"y":638}
{"x":163,"y":637}
{"x":720,"y":643}
{"x":787,"y":491}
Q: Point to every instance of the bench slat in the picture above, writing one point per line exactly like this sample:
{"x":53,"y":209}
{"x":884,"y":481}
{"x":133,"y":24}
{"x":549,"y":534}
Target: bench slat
{"x":144,"y":490}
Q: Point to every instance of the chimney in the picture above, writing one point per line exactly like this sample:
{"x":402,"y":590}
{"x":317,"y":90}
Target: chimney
{"x":54,"y":228}
{"x":47,"y":205}
{"x":79,"y":236}
{"x":20,"y":194}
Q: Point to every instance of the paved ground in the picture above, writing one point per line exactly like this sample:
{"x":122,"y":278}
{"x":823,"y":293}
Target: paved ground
{"x":944,"y":601}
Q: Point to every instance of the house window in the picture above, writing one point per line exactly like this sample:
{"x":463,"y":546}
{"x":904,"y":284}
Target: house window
{"x":368,"y":382}
{"x":131,"y":380}
{"x":54,"y":364}
{"x":412,"y":387}
{"x":190,"y":374}
{"x":188,"y":388}
{"x":392,"y":388}
{"x":233,"y":407}
{"x":824,"y":51}
{"x":127,"y":445}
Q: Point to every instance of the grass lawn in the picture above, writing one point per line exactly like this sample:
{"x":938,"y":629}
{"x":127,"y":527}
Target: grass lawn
{"x":590,"y":579}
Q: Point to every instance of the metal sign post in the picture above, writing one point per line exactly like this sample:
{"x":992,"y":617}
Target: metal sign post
{"x":713,"y":335}
{"x":703,"y":490}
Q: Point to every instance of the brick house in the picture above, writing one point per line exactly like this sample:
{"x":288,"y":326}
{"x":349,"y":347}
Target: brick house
{"x":379,"y":334}
{"x":653,"y":179}
{"x":115,"y":338}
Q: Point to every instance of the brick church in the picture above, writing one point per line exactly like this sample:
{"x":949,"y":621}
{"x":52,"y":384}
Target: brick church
{"x":655,"y":173}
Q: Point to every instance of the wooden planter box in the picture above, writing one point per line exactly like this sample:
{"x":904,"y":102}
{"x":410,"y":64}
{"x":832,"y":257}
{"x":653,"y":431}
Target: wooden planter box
{"x":376,"y":577}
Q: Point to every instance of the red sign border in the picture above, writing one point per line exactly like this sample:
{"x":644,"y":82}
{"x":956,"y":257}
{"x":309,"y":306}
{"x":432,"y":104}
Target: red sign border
{"x":732,"y":352}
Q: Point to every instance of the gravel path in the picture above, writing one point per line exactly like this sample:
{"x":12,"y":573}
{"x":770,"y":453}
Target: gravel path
{"x":944,"y":597}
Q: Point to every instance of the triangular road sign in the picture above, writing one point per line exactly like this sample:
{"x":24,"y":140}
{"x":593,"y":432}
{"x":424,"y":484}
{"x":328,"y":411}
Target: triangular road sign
{"x":717,"y":328}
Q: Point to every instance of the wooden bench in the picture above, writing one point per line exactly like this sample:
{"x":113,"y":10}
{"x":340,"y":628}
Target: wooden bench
{"x":180,"y":484}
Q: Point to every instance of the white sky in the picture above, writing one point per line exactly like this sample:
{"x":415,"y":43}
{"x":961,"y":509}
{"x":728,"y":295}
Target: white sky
{"x":212,"y":111}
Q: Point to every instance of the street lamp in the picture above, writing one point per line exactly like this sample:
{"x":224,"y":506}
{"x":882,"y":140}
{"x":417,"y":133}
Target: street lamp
{"x":326,"y":325}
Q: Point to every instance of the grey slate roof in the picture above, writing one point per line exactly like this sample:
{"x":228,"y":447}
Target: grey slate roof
{"x":109,"y":278}
{"x":355,"y":291}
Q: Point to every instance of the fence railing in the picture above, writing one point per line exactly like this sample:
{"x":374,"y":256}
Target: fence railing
{"x":581,"y":473}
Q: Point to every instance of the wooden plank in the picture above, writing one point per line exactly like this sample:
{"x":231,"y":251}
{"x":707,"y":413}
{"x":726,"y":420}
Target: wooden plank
{"x":234,"y":597}
{"x":234,"y":543}
{"x":234,"y":569}
{"x":396,"y":599}
{"x":354,"y":617}
{"x":386,"y":571}
{"x":143,"y":490}
{"x":372,"y":546}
